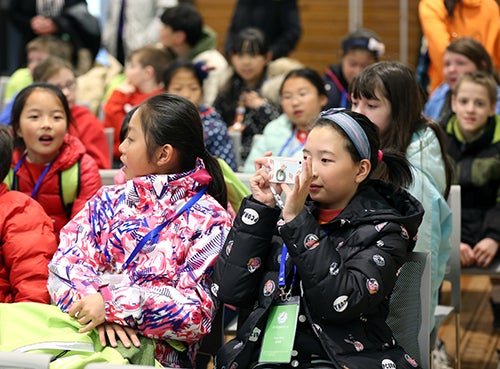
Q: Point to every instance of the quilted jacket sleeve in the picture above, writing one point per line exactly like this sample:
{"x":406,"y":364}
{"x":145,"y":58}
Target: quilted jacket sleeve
{"x":250,"y":239}
{"x":28,"y":243}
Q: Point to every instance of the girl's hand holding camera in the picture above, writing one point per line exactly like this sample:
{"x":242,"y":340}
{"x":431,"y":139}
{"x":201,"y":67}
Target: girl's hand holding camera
{"x":260,"y":184}
{"x":295,"y":197}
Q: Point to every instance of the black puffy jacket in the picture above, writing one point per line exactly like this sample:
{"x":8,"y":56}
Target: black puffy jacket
{"x":347,"y":270}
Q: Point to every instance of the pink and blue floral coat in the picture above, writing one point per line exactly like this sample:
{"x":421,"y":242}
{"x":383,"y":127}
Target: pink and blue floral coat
{"x":164,"y":292}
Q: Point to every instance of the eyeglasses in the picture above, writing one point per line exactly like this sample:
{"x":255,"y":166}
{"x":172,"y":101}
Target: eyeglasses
{"x":70,"y":85}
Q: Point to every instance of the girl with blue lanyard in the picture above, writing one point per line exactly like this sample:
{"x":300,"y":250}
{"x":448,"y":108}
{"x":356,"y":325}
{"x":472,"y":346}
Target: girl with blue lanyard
{"x":302,"y":95}
{"x":44,"y":150}
{"x":137,"y":260}
{"x":313,"y":279}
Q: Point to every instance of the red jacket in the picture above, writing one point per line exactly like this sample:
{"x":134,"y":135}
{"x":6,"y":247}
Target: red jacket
{"x":90,"y":131}
{"x":117,"y":106}
{"x":27,"y":243}
{"x":48,"y":194}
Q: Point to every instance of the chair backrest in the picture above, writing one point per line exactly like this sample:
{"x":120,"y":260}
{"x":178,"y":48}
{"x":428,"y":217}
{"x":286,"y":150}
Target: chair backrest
{"x":235,"y":137}
{"x":21,"y":360}
{"x":108,"y":176}
{"x":453,"y":269}
{"x":409,"y":307}
{"x":3,"y":85}
{"x":110,"y":137}
{"x":211,"y":343}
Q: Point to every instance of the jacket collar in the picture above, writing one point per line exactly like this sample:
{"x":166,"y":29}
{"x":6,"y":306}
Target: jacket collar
{"x":143,"y":192}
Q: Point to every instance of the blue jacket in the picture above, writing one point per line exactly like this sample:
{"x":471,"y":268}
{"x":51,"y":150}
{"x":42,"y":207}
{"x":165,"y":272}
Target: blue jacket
{"x":276,"y":137}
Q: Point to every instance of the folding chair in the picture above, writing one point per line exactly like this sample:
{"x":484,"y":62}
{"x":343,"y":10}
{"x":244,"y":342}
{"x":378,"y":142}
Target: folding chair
{"x":452,"y":273}
{"x":21,"y":360}
{"x":235,"y":137}
{"x":110,"y":137}
{"x":108,"y":176}
{"x":409,"y":307}
{"x":211,"y":343}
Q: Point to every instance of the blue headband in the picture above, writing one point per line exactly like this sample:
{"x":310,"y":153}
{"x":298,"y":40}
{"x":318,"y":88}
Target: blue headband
{"x":352,"y":129}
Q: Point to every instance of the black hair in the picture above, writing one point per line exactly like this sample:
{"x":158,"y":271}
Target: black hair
{"x":475,"y":51}
{"x":197,"y":69}
{"x":125,"y":123}
{"x":394,"y":166}
{"x":20,"y":101}
{"x":309,"y":74}
{"x":364,"y":39}
{"x":6,"y":149}
{"x":397,"y":83}
{"x":184,"y":17}
{"x":249,"y":41}
{"x":174,"y":120}
{"x":450,"y":6}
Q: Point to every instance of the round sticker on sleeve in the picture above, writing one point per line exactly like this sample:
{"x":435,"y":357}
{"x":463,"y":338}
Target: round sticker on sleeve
{"x":249,"y":216}
{"x":253,"y":264}
{"x":269,"y":288}
{"x":311,"y":241}
{"x":388,"y":364}
{"x":215,"y":289}
{"x":372,"y":286}
{"x":340,"y":303}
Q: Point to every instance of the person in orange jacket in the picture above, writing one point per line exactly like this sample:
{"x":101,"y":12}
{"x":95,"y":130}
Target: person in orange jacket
{"x":445,"y":21}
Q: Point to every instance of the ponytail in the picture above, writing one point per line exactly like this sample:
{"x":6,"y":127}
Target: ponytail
{"x":217,"y":187}
{"x":394,"y":168}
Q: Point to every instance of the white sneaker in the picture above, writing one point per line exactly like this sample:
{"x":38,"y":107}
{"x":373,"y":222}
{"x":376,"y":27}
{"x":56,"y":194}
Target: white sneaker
{"x":439,"y":356}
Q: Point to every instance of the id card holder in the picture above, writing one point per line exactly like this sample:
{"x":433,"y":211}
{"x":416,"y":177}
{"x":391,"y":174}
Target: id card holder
{"x":279,"y":335}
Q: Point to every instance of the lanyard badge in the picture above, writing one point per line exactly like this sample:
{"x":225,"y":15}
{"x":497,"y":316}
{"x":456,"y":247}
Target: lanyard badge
{"x":279,"y":336}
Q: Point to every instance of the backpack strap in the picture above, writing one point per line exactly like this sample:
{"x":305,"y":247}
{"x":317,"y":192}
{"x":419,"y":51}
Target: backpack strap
{"x":9,"y":180}
{"x":343,"y":93}
{"x":69,"y":186}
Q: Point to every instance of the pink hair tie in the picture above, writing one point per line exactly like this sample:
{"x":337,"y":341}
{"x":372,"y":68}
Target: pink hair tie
{"x":380,"y":155}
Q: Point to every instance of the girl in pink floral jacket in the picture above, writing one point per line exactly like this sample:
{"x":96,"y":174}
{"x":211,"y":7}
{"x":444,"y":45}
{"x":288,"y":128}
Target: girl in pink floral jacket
{"x":138,"y":258}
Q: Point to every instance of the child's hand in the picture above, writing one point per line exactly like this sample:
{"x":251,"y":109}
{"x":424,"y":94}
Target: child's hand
{"x":466,"y":255}
{"x":42,"y":25}
{"x":126,"y":87}
{"x":125,"y":334}
{"x":259,"y":183}
{"x":484,"y":251}
{"x":89,"y":311}
{"x":296,"y":197}
{"x":253,"y":100}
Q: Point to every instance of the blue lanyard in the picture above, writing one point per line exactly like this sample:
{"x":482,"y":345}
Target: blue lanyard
{"x":288,"y":142}
{"x":153,"y":234}
{"x":285,"y":296}
{"x":38,"y":182}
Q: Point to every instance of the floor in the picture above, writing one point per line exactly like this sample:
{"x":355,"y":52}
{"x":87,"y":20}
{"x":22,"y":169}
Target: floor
{"x":479,"y":340}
